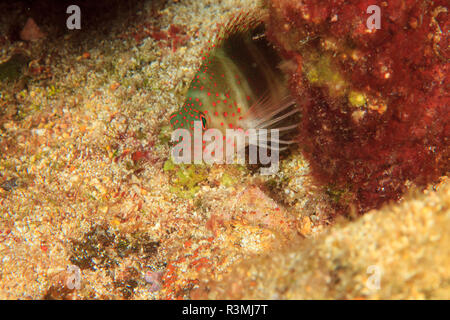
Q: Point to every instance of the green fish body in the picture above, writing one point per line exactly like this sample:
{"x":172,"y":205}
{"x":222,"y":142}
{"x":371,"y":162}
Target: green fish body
{"x":239,"y":84}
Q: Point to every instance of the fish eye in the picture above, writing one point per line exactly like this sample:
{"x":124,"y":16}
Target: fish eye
{"x":203,"y":121}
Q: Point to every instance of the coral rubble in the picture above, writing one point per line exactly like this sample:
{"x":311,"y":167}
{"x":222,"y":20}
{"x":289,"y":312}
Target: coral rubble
{"x":398,"y":252}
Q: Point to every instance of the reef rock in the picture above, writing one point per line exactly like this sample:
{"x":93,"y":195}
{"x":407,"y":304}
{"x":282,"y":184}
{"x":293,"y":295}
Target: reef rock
{"x":375,"y":101}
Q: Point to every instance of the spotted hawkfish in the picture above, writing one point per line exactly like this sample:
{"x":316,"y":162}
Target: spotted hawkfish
{"x":239,"y":84}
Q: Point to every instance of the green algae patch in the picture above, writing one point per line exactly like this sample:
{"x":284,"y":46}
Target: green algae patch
{"x":53,"y":91}
{"x":169,"y":165}
{"x":185,"y":179}
{"x":226,"y":180}
{"x":164,"y":134}
{"x":11,"y":69}
{"x":338,"y":194}
{"x":320,"y":71}
{"x":356,"y":99}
